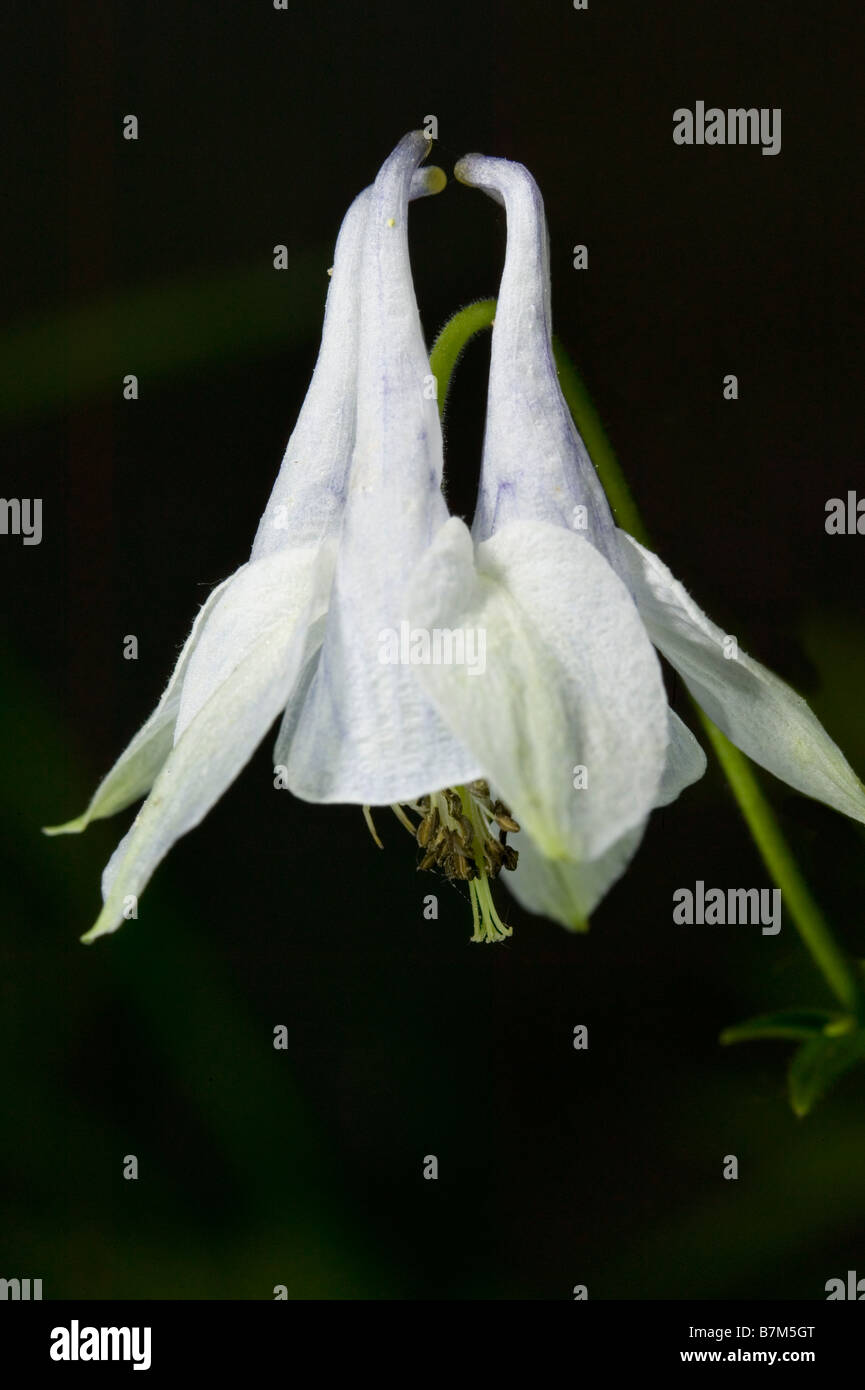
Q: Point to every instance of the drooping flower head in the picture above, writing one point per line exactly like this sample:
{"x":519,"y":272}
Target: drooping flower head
{"x":356,"y":542}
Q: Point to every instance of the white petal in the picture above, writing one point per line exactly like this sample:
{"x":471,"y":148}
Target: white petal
{"x":224,"y":732}
{"x":135,"y":770}
{"x":754,"y":708}
{"x":570,"y":679}
{"x":568,"y":892}
{"x":686,"y":761}
{"x":564,"y":891}
{"x":367,"y":732}
{"x":309,"y":493}
{"x":535,"y":465}
{"x":266,"y":601}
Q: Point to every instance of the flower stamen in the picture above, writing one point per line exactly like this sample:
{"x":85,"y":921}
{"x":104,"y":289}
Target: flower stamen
{"x":367,"y":815}
{"x":463,"y":833}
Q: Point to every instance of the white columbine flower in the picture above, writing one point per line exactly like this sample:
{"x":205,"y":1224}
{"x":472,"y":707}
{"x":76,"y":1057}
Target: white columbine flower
{"x":570,"y":673}
{"x":357,"y":544}
{"x":571,"y":619}
{"x":247,"y":656}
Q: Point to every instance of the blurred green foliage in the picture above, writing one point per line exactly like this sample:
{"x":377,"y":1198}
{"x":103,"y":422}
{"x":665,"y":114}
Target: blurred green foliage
{"x":158,"y":331}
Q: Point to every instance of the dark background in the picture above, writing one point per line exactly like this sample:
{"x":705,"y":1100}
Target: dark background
{"x":303,"y":1167}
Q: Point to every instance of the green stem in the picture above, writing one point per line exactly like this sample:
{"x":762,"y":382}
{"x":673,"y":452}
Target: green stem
{"x":454,"y":337}
{"x":778,"y":858}
{"x":600,"y":449}
{"x":838,"y":971}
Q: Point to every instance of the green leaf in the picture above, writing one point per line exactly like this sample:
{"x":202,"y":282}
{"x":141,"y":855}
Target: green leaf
{"x":792,"y":1024}
{"x":817,"y":1064}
